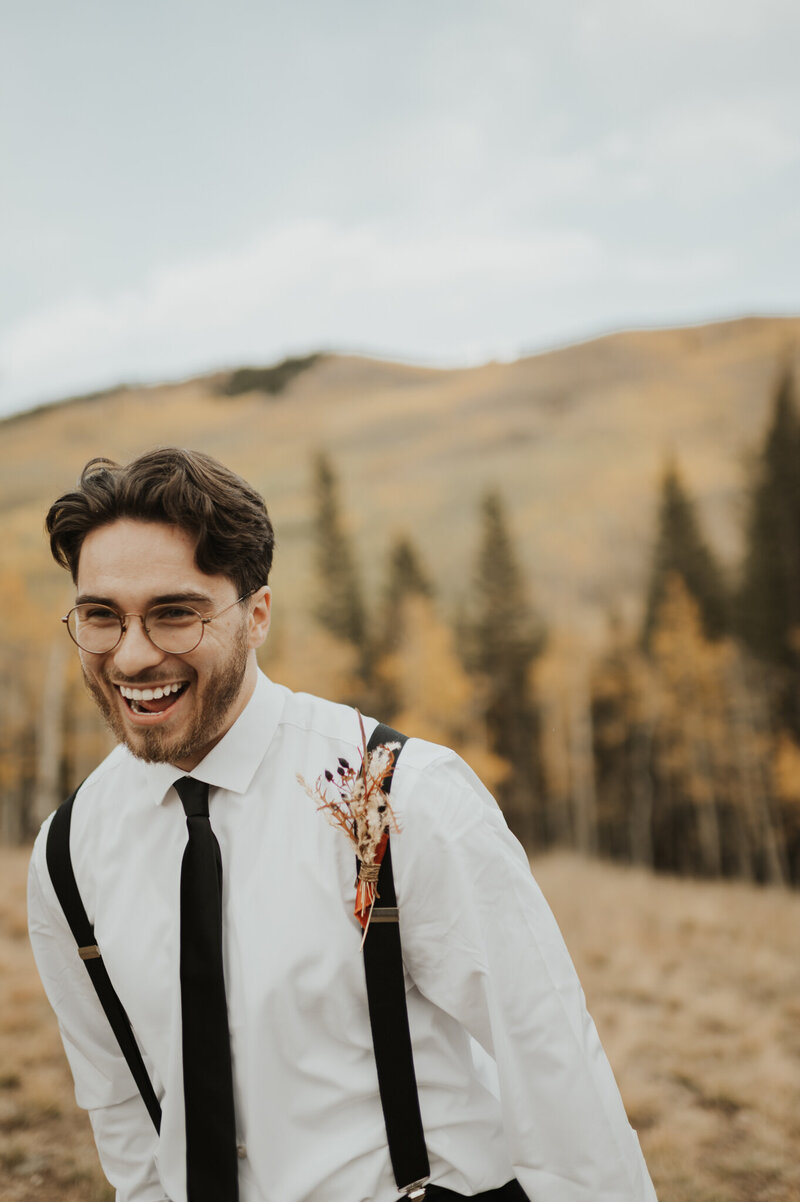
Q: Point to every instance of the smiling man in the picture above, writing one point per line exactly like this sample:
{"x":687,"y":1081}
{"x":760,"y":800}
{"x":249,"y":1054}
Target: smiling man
{"x":146,"y":570}
{"x":270,"y":1067}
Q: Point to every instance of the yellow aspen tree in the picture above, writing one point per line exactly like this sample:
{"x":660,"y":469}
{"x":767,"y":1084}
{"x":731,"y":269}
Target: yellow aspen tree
{"x":307,"y":658}
{"x":691,"y":749}
{"x":436,"y":698}
{"x":786,"y":777}
{"x":563,"y":688}
{"x":760,"y":835}
{"x":23,"y":645}
{"x":623,"y":710}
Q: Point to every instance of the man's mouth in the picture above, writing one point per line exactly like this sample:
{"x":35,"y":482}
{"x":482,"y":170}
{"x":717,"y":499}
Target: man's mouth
{"x":152,"y":699}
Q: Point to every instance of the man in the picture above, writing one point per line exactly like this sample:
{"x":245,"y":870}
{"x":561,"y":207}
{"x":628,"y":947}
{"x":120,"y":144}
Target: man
{"x":170,"y":557}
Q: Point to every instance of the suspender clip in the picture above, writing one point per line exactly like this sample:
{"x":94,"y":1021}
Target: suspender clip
{"x":415,"y":1192}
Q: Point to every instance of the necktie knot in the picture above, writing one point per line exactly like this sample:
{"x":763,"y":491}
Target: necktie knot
{"x":194,"y":796}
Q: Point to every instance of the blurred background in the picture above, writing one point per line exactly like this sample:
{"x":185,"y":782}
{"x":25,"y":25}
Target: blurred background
{"x":499,"y":307}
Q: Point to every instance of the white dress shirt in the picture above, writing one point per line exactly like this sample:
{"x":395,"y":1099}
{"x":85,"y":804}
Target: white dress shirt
{"x":512,"y":1078}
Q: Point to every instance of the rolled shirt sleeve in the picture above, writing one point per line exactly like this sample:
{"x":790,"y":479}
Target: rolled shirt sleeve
{"x":480,"y":942}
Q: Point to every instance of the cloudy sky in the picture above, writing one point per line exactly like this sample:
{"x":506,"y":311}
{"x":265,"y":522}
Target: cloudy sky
{"x":189,"y":185}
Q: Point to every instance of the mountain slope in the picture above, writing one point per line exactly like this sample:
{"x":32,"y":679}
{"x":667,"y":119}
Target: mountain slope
{"x":575,"y":438}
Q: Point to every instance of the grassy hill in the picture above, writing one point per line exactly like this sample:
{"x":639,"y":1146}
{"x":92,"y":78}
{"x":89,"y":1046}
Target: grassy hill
{"x":576,"y":438}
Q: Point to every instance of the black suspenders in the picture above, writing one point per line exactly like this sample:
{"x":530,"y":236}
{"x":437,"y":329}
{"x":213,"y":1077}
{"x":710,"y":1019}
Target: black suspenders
{"x":388,"y":1016}
{"x":386,"y":998}
{"x":383,"y":966}
{"x":59,"y":864}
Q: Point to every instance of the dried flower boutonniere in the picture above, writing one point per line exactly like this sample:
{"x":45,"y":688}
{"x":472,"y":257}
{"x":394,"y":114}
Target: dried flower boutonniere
{"x":353,"y":799}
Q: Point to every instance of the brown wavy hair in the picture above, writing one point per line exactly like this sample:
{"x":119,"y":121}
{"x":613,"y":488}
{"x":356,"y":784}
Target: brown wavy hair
{"x":188,"y":489}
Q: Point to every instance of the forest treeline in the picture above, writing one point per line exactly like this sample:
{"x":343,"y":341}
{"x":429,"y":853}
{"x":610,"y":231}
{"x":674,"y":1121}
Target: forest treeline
{"x":675,"y":744}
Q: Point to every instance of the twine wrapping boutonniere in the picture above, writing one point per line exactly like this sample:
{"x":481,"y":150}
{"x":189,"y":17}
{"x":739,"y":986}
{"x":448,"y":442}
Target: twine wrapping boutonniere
{"x":352,"y":798}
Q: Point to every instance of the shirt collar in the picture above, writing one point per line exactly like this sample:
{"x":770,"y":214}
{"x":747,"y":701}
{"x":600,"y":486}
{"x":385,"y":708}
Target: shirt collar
{"x":232,"y":763}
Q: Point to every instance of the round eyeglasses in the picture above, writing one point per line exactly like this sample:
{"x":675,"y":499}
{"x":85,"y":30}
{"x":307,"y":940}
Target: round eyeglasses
{"x":171,"y":626}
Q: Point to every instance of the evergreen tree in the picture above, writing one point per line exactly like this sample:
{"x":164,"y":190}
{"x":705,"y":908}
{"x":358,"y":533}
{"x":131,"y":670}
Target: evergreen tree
{"x":503,"y":637}
{"x":768,"y":604}
{"x":405,"y":577}
{"x":340,"y":605}
{"x":681,"y":549}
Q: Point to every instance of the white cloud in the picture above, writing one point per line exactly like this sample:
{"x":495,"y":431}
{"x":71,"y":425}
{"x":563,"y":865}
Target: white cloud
{"x":650,"y":21}
{"x":732,"y":139}
{"x":686,"y":269}
{"x":300,"y":284}
{"x":696,"y":151}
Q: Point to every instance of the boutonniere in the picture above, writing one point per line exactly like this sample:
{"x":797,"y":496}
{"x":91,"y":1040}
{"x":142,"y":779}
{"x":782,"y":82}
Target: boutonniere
{"x":352,"y":798}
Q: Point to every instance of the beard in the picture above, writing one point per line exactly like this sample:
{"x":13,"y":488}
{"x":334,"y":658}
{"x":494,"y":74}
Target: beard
{"x":207,"y":723}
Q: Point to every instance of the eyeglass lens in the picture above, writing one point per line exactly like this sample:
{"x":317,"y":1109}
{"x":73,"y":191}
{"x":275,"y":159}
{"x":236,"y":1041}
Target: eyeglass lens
{"x":176,"y":629}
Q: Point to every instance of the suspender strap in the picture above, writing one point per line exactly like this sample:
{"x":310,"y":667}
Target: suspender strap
{"x":59,"y":863}
{"x":388,"y":1015}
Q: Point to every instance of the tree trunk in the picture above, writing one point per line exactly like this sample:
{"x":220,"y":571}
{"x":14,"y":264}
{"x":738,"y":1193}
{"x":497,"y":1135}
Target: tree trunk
{"x":582,"y":764}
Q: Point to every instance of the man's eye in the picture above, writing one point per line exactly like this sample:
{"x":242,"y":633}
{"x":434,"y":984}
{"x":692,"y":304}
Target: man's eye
{"x":173,"y":613}
{"x":98,"y":614}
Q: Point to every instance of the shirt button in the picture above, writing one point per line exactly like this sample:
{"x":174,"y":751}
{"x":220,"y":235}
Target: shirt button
{"x":241,"y":1151}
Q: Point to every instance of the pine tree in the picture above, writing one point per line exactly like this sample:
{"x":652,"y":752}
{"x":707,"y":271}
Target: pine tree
{"x":340,"y":606}
{"x":503,"y":638}
{"x":405,"y":577}
{"x":768,"y":603}
{"x":681,"y":549}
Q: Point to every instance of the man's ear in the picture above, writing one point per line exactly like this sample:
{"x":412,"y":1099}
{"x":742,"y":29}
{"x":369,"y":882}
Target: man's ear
{"x":260,"y":613}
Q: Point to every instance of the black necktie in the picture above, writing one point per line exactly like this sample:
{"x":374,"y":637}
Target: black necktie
{"x":211,"y":1161}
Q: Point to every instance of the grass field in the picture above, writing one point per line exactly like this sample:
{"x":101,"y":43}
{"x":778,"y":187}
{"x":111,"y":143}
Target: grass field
{"x":695,"y":989}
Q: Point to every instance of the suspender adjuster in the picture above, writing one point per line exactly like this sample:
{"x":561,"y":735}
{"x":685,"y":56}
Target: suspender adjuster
{"x":92,"y":952}
{"x":385,"y":914}
{"x":416,"y":1190}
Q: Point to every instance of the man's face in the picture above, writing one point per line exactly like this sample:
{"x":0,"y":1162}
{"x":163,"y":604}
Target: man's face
{"x":131,"y":565}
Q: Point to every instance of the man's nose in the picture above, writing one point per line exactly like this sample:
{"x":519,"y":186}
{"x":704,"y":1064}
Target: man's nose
{"x":135,"y":652}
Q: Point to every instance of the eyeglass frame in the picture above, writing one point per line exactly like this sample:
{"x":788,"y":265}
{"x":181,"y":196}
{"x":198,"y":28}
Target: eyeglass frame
{"x":124,"y":625}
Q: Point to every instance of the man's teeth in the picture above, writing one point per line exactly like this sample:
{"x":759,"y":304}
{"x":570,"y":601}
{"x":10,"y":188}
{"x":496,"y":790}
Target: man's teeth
{"x":149,"y":694}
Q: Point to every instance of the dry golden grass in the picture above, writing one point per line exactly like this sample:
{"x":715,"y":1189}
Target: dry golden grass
{"x":695,"y":989}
